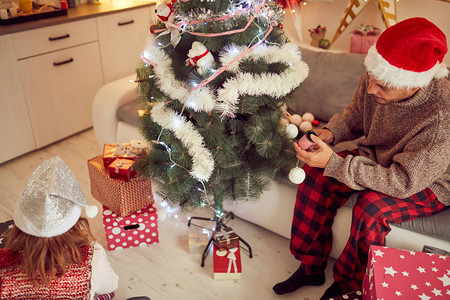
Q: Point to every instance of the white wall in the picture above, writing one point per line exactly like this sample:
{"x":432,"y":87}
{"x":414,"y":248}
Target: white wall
{"x":329,"y":14}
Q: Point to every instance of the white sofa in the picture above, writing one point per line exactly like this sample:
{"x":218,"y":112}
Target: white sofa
{"x":275,"y":208}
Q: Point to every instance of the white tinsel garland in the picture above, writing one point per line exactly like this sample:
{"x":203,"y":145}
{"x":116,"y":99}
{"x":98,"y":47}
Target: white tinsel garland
{"x":200,"y":100}
{"x":202,"y":158}
{"x":203,"y":99}
{"x":275,"y":85}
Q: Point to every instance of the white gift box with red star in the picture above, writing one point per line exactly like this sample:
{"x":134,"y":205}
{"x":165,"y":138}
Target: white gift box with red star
{"x":399,"y":274}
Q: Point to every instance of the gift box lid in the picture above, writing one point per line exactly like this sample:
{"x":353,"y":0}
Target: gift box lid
{"x":394,"y":273}
{"x":122,"y":163}
{"x":225,"y":235}
{"x":141,"y":216}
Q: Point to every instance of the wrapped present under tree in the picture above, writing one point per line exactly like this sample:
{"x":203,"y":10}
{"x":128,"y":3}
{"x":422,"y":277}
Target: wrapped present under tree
{"x":197,"y":242}
{"x":400,"y":274}
{"x":227,"y":263}
{"x":122,"y":197}
{"x":122,"y":168}
{"x":137,"y":229}
{"x":225,"y":238}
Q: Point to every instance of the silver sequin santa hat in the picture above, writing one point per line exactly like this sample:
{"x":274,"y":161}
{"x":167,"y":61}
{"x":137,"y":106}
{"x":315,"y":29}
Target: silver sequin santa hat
{"x":52,"y":201}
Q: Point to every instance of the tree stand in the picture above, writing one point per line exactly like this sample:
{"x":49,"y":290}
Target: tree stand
{"x":220,"y":223}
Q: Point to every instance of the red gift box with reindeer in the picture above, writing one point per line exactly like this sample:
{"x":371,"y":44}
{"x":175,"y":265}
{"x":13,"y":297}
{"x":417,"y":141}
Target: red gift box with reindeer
{"x":138,"y":229}
{"x":227,"y":262}
{"x":399,"y":274}
{"x":133,"y":150}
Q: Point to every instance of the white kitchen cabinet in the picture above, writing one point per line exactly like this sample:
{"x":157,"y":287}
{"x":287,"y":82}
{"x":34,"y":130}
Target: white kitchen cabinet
{"x":49,"y":75}
{"x":122,"y":37}
{"x":15,"y":127}
{"x":38,"y":41}
{"x":59,"y":88}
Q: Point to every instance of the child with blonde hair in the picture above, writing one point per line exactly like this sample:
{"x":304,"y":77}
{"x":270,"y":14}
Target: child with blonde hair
{"x":50,"y":252}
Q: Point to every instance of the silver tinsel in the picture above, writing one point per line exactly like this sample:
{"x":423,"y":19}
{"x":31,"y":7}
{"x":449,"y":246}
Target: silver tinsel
{"x":49,"y":196}
{"x":270,"y":13}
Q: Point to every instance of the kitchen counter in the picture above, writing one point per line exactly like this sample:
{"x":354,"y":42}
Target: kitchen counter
{"x":83,"y":11}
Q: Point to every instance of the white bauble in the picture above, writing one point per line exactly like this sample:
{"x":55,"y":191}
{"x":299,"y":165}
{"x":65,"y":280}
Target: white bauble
{"x":308,"y":117}
{"x":305,"y":126}
{"x":296,"y":119}
{"x":297,"y":175}
{"x":291,"y":131}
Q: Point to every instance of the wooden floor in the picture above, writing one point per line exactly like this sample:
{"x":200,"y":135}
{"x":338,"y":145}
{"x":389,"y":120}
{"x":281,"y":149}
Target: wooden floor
{"x":166,"y":271}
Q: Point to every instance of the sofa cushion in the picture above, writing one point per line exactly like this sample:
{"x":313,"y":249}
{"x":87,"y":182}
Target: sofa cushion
{"x":332,"y":81}
{"x":128,"y":113}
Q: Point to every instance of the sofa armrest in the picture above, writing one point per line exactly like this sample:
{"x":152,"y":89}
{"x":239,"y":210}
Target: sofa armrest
{"x":106,"y":103}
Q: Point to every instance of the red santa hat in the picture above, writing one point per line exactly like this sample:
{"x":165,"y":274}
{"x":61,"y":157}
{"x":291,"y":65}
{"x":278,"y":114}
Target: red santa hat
{"x":408,"y":54}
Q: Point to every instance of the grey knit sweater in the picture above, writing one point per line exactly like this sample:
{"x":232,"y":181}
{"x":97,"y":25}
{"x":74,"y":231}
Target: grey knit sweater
{"x":405,"y":146}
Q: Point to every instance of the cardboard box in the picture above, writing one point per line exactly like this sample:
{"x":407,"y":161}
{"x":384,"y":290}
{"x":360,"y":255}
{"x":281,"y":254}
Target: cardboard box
{"x":227,"y":263}
{"x":399,"y":274}
{"x":122,"y":197}
{"x":138,"y":229}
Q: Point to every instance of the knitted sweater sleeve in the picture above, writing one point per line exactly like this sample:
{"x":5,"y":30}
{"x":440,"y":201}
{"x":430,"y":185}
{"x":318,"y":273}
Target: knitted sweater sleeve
{"x":348,"y":125}
{"x":415,"y":168}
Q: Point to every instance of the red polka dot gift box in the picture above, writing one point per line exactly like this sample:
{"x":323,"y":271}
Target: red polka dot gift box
{"x":137,"y":229}
{"x":399,"y":274}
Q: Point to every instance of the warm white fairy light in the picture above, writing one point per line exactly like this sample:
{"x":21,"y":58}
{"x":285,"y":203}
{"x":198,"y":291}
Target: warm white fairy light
{"x":199,"y":99}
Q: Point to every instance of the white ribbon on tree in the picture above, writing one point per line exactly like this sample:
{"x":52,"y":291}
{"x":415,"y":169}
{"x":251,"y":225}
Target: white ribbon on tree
{"x":185,"y":131}
{"x":201,"y":99}
{"x":275,"y":85}
{"x":204,"y":99}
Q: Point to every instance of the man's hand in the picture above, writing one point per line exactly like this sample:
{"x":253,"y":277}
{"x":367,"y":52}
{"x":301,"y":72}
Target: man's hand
{"x":321,"y":155}
{"x":325,"y":135}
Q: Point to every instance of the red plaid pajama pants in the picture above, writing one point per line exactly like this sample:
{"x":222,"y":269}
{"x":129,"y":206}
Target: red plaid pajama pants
{"x":318,"y":199}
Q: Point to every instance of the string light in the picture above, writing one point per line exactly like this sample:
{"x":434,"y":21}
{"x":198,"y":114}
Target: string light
{"x":246,"y":9}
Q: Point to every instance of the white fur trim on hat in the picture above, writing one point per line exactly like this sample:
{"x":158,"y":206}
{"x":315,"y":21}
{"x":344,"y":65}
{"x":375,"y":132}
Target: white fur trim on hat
{"x":27,"y":226}
{"x":396,"y":77}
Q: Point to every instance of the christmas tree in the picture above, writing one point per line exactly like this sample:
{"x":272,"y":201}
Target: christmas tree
{"x":216,"y":76}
